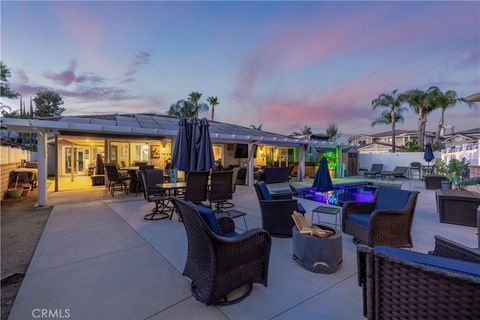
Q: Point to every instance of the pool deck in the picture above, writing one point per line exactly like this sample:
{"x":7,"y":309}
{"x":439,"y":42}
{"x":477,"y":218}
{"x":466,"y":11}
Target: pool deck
{"x":101,"y":260}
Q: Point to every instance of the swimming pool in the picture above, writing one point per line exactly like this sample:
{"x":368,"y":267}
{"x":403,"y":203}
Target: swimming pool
{"x":341,"y":194}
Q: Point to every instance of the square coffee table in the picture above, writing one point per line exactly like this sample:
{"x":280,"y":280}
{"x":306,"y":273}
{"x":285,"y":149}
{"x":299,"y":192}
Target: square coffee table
{"x":326,"y":210}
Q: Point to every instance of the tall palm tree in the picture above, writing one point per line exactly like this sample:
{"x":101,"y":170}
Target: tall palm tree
{"x":442,"y":100}
{"x":305,"y":131}
{"x":194,"y":97}
{"x":393,"y":113}
{"x":213,"y":101}
{"x":422,"y":102}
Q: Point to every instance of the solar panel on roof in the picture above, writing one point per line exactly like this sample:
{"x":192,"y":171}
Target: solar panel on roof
{"x":127,"y":122}
{"x":166,"y":123}
{"x":104,"y":121}
{"x":146,"y":122}
{"x":75,"y":119}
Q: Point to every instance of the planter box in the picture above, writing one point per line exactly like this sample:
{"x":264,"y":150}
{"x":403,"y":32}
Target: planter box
{"x":457,"y":207}
{"x":433,"y":181}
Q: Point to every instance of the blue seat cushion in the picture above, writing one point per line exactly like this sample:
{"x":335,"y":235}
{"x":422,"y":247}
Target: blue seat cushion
{"x":230,"y":234}
{"x":460,"y":266}
{"x":360,"y":218}
{"x":210,"y":219}
{"x":300,"y":208}
{"x":264,"y":191}
{"x":391,"y":199}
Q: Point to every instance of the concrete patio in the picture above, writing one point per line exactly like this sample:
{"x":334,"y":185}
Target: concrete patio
{"x":101,"y":260}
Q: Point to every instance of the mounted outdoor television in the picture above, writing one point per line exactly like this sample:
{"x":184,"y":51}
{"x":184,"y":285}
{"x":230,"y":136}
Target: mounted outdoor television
{"x":241,"y":150}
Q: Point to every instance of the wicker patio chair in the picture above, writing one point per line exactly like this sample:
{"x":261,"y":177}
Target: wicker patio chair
{"x":115,"y":180}
{"x":196,"y":189}
{"x":149,"y":179}
{"x":276,"y":213}
{"x":386,"y":220}
{"x":374,"y":171}
{"x":219,"y":264}
{"x":402,"y":284}
{"x":416,"y":166}
{"x":220,"y":189}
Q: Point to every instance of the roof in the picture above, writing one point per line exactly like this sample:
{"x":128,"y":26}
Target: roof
{"x":469,"y":131}
{"x":372,"y":144}
{"x":152,"y":125}
{"x":398,"y":132}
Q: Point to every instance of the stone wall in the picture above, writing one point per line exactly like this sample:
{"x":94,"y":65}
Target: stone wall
{"x":5,"y":170}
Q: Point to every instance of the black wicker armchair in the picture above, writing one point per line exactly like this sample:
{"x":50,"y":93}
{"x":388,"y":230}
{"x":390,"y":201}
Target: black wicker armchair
{"x":220,"y":189}
{"x":115,"y":179}
{"x":276,"y":212}
{"x":149,"y":178}
{"x":386,"y":220}
{"x":219,"y":264}
{"x":402,"y":284}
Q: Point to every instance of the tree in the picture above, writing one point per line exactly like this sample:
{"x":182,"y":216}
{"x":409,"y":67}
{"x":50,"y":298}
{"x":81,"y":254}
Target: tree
{"x":5,"y":91}
{"x":443,"y":101}
{"x":194,"y":97}
{"x":31,"y":108}
{"x":393,"y":113}
{"x":213,"y":101}
{"x":332,"y":131}
{"x":422,"y":103}
{"x":188,"y":108}
{"x":259,"y":127}
{"x":48,"y":104}
{"x":306,"y":130}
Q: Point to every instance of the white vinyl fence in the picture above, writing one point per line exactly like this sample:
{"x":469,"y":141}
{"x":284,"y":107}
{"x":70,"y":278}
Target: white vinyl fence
{"x":468,"y":151}
{"x":15,"y":155}
{"x":392,"y":160}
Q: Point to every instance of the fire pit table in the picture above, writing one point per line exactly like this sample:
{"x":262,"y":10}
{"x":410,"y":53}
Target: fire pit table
{"x":318,"y":255}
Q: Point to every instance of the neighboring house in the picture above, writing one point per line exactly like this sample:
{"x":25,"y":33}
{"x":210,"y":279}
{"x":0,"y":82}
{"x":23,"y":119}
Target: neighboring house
{"x":382,"y":142}
{"x":375,"y":147}
{"x":462,"y":137}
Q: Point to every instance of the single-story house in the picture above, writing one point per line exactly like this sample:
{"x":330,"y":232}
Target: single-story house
{"x":73,"y":143}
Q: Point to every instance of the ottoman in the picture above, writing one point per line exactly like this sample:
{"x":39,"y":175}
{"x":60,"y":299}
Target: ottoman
{"x":319,"y":255}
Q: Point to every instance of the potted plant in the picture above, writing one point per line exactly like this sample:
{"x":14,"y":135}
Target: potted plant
{"x":456,"y":173}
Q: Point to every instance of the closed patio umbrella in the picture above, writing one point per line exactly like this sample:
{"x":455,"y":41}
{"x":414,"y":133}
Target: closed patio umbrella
{"x":205,"y":159}
{"x":181,"y":150}
{"x":428,"y":153}
{"x":195,"y":139}
{"x":322,"y":180}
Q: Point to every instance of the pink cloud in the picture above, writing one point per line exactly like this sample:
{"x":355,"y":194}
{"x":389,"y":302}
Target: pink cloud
{"x":65,"y":77}
{"x":319,"y":39}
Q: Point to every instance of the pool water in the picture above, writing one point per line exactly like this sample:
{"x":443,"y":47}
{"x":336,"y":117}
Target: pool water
{"x":341,"y":194}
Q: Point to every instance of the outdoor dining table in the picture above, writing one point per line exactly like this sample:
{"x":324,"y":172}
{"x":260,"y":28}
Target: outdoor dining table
{"x":172,"y":187}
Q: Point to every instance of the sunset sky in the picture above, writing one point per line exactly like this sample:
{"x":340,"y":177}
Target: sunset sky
{"x":282,"y":64}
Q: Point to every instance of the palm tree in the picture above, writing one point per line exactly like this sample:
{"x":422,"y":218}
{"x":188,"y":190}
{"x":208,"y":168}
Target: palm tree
{"x":422,"y":103}
{"x":443,"y":101}
{"x":182,"y":108}
{"x":259,"y":127}
{"x":194,"y":97}
{"x":393,"y":113}
{"x":305,"y":131}
{"x":213,"y":101}
{"x":332,"y":131}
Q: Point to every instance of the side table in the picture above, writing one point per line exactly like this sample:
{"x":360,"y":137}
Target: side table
{"x":326,"y":210}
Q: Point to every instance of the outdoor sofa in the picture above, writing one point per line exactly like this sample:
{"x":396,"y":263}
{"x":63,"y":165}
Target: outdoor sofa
{"x":386,"y":220}
{"x":219,"y":260}
{"x":403,"y":284}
